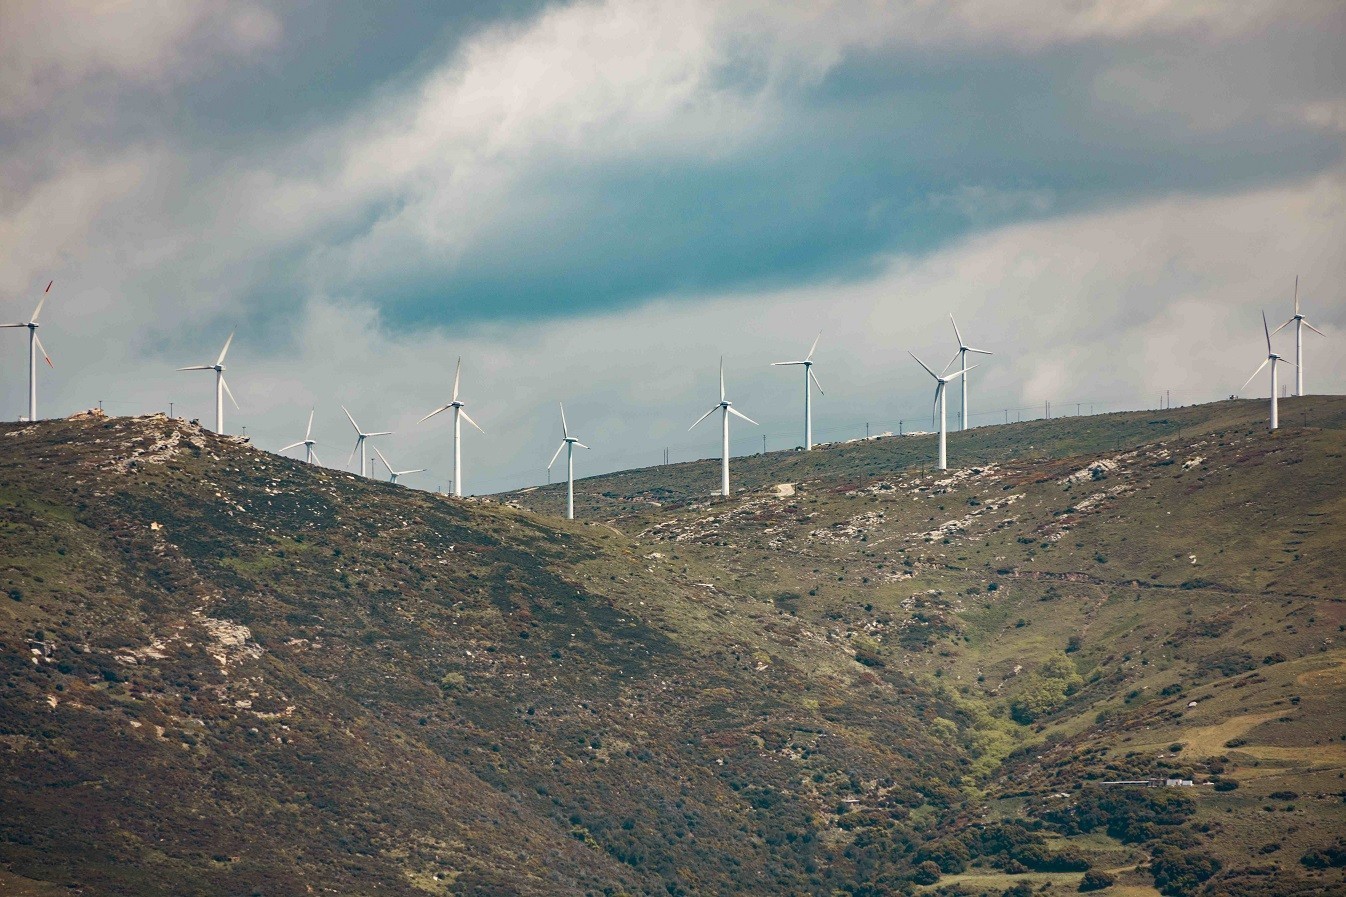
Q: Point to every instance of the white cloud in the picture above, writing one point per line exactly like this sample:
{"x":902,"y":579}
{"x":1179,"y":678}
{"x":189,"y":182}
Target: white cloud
{"x":49,"y":47}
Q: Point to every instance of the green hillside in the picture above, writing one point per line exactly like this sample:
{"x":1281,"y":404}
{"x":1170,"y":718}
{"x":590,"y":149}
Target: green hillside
{"x":229,"y":673}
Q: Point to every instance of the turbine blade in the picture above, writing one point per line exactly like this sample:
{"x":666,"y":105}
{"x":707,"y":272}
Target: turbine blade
{"x":955,"y":331}
{"x":309,"y":431}
{"x":721,"y":378}
{"x":315,"y":459}
{"x":814,"y":377}
{"x":37,"y":311}
{"x":225,"y":350}
{"x":1255,"y":373}
{"x":195,"y":367}
{"x":358,"y":440}
{"x":43,"y":349}
{"x":580,"y":444}
{"x":457,"y":374}
{"x":934,"y":406}
{"x":13,"y":325}
{"x":403,"y":473}
{"x":774,"y":364}
{"x":555,"y":456}
{"x":924,"y":365}
{"x":471,"y":421}
{"x":703,"y":417}
{"x":980,"y":351}
{"x":433,"y":413}
{"x":1314,"y":329}
{"x":1282,"y":327}
{"x":380,"y":433}
{"x":352,"y":420}
{"x":1296,"y":295}
{"x":1266,"y":331}
{"x":229,"y":393}
{"x":812,"y":348}
{"x":960,"y":373}
{"x":286,"y":448}
{"x":737,"y":413}
{"x":957,"y":355}
{"x":565,"y":431}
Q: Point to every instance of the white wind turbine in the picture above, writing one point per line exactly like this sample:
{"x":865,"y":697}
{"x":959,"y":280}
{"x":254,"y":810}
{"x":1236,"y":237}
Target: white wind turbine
{"x":459,"y":415}
{"x":220,"y":386}
{"x":308,"y":442}
{"x":961,"y":358}
{"x":1271,"y":359}
{"x":394,"y":474}
{"x":360,"y":437}
{"x":34,"y":346}
{"x":941,"y":401}
{"x":726,"y":408}
{"x":809,"y":382}
{"x":1300,"y":323}
{"x":568,"y":443}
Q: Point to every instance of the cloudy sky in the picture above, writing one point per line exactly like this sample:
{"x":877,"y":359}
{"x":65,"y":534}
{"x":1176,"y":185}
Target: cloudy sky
{"x":593,"y":201}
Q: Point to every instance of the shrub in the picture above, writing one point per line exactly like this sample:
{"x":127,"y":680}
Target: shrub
{"x":1178,"y":872}
{"x":1097,"y":880}
{"x":926,"y":874}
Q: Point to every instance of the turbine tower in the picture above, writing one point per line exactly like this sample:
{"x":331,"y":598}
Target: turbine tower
{"x":1271,"y":359}
{"x":34,"y":346}
{"x":809,"y":382}
{"x":360,"y":437}
{"x":961,"y":358}
{"x":1300,"y":323}
{"x":568,"y":443}
{"x":221,"y":388}
{"x":941,"y":402}
{"x":394,"y":474}
{"x":726,"y":408}
{"x":459,"y":415}
{"x":308,"y":442}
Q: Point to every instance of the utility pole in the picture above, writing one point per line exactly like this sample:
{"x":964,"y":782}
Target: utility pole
{"x":1047,"y":410}
{"x":1077,"y":409}
{"x":899,"y":428}
{"x":1169,"y":395}
{"x":866,"y":429}
{"x":170,"y":410}
{"x":764,"y":443}
{"x":1006,"y":415}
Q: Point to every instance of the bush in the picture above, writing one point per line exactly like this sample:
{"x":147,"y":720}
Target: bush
{"x":1226,"y":785}
{"x":926,"y":874}
{"x":1097,"y":880}
{"x":1333,"y":856}
{"x":1178,"y":872}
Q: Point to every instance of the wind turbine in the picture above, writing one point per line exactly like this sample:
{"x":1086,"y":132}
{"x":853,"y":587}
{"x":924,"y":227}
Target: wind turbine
{"x":941,"y":401}
{"x":220,"y":386}
{"x":360,"y":437}
{"x":459,"y":415}
{"x":34,"y":346}
{"x":726,"y":408}
{"x":568,"y":443}
{"x":394,"y":474}
{"x":307,"y":442}
{"x":1271,"y":359}
{"x":1300,"y":323}
{"x":961,"y":357}
{"x":809,"y":382}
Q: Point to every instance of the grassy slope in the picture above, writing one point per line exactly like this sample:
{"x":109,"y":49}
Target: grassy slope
{"x":1170,"y":578}
{"x":775,"y":694}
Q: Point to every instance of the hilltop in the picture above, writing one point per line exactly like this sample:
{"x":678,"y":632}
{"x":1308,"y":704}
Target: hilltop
{"x":228,"y":672}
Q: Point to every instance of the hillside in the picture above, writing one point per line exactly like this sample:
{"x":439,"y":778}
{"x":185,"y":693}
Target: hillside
{"x":227,"y":672}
